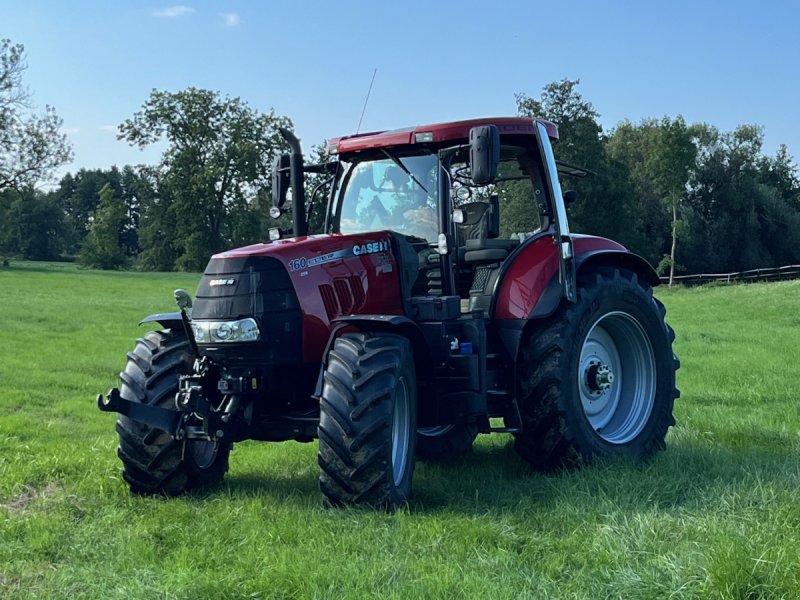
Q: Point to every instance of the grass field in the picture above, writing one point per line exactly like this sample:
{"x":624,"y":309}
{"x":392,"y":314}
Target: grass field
{"x":717,"y":515}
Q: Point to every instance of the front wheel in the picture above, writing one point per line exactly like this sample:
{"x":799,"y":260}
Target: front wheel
{"x":367,"y":425}
{"x":153,"y":462}
{"x":598,"y":379}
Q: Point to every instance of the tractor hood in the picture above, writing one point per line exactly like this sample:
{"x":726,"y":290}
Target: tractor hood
{"x":317,"y":277}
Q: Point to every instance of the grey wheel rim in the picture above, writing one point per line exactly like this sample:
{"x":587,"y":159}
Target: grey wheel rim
{"x":401,"y":431}
{"x":617,"y":377}
{"x":203,"y":453}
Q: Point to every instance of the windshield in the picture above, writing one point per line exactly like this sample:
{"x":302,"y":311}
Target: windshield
{"x":391,"y":193}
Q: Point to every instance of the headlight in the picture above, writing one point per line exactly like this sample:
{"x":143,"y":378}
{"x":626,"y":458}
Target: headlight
{"x":212,"y":332}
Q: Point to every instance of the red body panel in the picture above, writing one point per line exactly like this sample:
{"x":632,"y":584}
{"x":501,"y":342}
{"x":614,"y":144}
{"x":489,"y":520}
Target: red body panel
{"x":357,"y":283}
{"x":440,"y":132}
{"x":532,"y":269}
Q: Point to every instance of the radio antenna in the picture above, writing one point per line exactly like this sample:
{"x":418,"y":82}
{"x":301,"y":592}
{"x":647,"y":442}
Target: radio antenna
{"x":363,"y":110}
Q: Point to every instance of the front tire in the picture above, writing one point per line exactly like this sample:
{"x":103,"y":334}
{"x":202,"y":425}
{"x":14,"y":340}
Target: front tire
{"x":153,"y":462}
{"x":367,"y":426}
{"x":598,"y":378}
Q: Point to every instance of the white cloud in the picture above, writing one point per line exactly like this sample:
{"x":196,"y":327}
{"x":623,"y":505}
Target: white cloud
{"x":230,"y":19}
{"x":112,"y":128}
{"x":179,"y":10}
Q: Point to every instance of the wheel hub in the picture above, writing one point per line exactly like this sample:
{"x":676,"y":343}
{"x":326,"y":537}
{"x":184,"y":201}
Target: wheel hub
{"x":599,"y":377}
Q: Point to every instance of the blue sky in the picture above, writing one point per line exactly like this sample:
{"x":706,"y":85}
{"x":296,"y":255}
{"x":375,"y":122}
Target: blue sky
{"x":724,"y":63}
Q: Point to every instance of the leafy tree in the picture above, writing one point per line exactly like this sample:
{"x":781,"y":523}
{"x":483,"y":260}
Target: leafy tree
{"x":157,"y":229}
{"x":31,"y":145}
{"x":659,"y":156}
{"x":79,"y":196}
{"x":739,"y":218}
{"x":102,"y":248}
{"x":31,"y":224}
{"x":218,"y":157}
{"x":780,"y":173}
{"x":605,"y":199}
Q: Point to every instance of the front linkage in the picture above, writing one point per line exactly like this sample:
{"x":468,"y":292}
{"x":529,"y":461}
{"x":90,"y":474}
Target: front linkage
{"x":194,"y":416}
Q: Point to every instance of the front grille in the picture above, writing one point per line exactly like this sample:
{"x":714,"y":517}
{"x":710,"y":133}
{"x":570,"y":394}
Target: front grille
{"x":258,"y":287}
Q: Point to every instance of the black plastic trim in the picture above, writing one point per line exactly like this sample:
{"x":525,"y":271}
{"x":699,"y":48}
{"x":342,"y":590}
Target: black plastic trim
{"x":171,"y":320}
{"x":622,"y":258}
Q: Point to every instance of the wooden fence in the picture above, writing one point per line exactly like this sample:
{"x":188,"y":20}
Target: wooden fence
{"x":776,"y":274}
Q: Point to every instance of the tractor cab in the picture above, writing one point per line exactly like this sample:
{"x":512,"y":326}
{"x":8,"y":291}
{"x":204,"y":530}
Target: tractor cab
{"x":462,"y":205}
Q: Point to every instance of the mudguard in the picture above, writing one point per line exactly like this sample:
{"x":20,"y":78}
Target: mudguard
{"x":529,"y":288}
{"x":398,"y":324}
{"x":166,"y":320}
{"x":528,"y":285}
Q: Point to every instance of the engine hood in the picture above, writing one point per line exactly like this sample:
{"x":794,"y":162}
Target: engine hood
{"x":331,"y":275}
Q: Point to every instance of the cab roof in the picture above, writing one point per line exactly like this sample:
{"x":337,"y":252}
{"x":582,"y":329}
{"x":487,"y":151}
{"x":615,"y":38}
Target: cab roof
{"x":435,"y":134}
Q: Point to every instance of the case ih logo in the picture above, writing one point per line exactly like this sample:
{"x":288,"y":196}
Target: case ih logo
{"x":216,"y":282}
{"x":371,"y":247}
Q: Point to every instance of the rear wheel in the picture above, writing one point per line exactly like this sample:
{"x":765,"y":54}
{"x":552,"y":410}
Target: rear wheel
{"x":446,"y":442}
{"x":367,"y":421}
{"x":598,"y":379}
{"x":152,"y":460}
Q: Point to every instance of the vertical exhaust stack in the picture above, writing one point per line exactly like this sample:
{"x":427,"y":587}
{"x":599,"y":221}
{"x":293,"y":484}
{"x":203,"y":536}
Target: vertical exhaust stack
{"x":296,"y":181}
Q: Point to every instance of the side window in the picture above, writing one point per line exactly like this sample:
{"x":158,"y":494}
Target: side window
{"x":519,"y":188}
{"x":519,"y":208}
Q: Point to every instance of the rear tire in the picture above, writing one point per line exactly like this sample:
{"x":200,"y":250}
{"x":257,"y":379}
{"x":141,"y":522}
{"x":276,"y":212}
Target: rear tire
{"x":447,"y":442}
{"x":367,"y":422}
{"x":153,"y":462}
{"x":598,"y":378}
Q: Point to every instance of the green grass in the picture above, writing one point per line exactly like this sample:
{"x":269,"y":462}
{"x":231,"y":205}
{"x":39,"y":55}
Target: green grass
{"x":717,"y":515}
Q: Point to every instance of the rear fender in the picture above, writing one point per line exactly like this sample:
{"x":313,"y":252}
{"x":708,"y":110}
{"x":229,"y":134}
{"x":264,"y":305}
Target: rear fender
{"x":550,"y":299}
{"x":621,"y":259}
{"x":531,"y":288}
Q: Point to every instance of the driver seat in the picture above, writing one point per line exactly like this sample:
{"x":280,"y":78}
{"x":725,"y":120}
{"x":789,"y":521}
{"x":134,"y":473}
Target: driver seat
{"x":477,"y":235}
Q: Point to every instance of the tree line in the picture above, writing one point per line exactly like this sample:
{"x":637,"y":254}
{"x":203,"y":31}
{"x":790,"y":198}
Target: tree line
{"x":687,"y":197}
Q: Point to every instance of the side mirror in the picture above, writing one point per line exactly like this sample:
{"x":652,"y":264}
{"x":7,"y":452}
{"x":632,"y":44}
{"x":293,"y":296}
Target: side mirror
{"x":280,"y":180}
{"x":182,"y":299}
{"x":570,"y":196}
{"x":484,"y":153}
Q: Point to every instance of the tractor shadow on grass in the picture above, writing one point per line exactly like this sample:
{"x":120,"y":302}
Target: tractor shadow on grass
{"x":687,"y":476}
{"x":493,"y":479}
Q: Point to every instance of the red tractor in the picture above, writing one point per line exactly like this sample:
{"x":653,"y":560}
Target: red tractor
{"x":446,"y":298}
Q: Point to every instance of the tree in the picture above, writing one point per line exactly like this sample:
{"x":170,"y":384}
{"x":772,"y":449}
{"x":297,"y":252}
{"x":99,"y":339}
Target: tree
{"x":742,"y":217}
{"x":79,"y":196}
{"x":102,"y":248}
{"x":780,"y":172}
{"x":31,"y":145}
{"x":218,"y":157}
{"x":605,"y":199}
{"x":659,"y":156}
{"x":31,"y":224}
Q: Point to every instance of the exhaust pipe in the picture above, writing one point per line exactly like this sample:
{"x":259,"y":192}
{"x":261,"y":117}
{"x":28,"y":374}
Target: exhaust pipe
{"x":296,"y":181}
